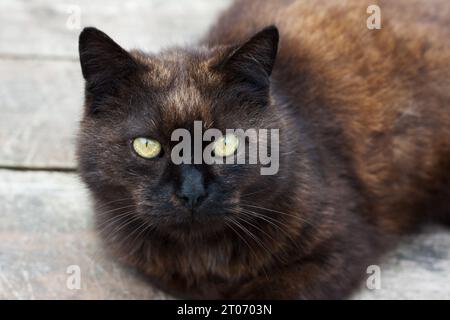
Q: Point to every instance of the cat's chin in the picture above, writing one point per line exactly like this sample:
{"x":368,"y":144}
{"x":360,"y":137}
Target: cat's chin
{"x":184,"y":221}
{"x":200,"y":227}
{"x":192,"y":229}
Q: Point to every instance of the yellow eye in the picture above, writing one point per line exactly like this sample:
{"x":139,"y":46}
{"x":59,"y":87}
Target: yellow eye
{"x":146,"y":148}
{"x":226,"y":145}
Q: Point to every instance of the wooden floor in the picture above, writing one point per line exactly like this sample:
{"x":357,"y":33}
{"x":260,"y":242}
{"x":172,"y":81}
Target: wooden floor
{"x":45,"y":213}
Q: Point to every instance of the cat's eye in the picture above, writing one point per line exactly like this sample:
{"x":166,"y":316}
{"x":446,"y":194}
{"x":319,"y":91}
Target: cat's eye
{"x":146,"y":148}
{"x":226,"y":145}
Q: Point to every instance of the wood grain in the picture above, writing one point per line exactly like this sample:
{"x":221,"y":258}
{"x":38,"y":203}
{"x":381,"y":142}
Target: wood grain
{"x":40,"y":107}
{"x":46,"y":28}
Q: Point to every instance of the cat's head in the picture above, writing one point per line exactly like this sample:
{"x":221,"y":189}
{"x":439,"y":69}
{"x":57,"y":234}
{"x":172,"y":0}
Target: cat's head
{"x":134,"y":102}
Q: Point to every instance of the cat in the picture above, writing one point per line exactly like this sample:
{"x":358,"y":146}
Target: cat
{"x":364,"y":146}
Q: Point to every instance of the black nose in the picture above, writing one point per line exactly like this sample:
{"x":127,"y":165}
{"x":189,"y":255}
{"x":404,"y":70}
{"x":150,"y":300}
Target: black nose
{"x":191,"y":199}
{"x":192,"y":189}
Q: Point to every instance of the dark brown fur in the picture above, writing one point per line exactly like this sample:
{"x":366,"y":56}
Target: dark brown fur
{"x":365,"y":145}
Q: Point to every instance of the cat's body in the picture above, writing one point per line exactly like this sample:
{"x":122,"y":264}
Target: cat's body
{"x":387,"y":91}
{"x":364,"y":118}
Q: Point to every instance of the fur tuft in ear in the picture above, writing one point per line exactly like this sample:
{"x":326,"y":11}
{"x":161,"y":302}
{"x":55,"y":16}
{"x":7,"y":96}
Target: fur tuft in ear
{"x":103,"y":61}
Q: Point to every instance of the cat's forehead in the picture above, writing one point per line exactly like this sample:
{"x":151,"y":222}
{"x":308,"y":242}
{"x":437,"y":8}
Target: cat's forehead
{"x":178,"y":67}
{"x":182,"y":82}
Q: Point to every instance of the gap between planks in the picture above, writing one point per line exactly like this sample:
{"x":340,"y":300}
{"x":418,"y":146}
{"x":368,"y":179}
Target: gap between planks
{"x":40,"y":169}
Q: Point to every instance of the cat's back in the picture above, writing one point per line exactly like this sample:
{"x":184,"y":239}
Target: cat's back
{"x":335,"y":35}
{"x":302,"y":19}
{"x":327,"y":47}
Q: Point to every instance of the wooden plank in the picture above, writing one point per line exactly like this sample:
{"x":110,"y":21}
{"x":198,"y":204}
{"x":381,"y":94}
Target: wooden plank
{"x":46,"y":226}
{"x":48,"y":28}
{"x":41,"y":104}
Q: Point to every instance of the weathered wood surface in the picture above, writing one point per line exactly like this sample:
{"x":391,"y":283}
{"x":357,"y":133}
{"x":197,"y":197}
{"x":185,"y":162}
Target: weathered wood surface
{"x":40,"y":103}
{"x":45,"y":226}
{"x":48,"y":28}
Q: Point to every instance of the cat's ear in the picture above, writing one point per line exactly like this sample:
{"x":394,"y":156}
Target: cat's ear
{"x":254,"y":60}
{"x":103,"y":61}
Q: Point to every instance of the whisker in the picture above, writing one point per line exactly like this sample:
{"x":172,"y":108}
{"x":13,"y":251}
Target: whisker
{"x":273,"y":221}
{"x":125,"y":223}
{"x":112,"y":220}
{"x":253,"y":236}
{"x":252,"y":193}
{"x":280,"y":212}
{"x":123,"y":219}
{"x":254,"y":226}
{"x":105,"y":204}
{"x":231,"y":221}
{"x":104,"y":213}
{"x":138,"y":231}
{"x":264,"y":232}
{"x":266,"y":219}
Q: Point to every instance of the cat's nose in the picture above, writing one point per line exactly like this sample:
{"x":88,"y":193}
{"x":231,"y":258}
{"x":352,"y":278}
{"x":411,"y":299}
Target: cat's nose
{"x":191,"y":199}
{"x":192,"y":189}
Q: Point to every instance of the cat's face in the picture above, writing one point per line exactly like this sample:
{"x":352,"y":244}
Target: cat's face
{"x":134,"y":103}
